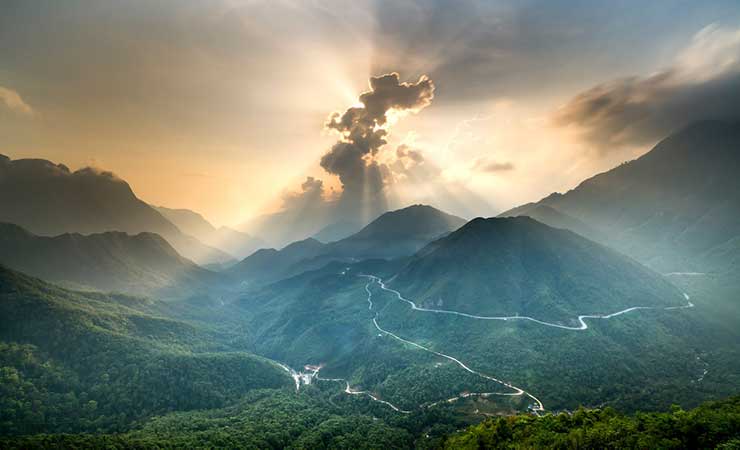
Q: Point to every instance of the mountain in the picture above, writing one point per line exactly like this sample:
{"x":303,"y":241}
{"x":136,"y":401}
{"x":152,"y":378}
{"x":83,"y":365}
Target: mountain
{"x":48,"y":199}
{"x":89,"y":362}
{"x":269,"y":264}
{"x":676,"y":208}
{"x":556,"y":219}
{"x":393,"y":234}
{"x":113,"y":261}
{"x":337,"y":231}
{"x":397,"y":233}
{"x":518,"y":266}
{"x":635,"y":351}
{"x":226,"y":239}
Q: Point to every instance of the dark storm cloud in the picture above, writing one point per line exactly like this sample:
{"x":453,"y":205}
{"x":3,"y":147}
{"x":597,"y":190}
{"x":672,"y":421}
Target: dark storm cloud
{"x":704,"y":83}
{"x":362,"y":134}
{"x":643,"y":110}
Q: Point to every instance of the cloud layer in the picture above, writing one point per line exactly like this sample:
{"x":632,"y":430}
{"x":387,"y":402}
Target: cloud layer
{"x":703,"y":83}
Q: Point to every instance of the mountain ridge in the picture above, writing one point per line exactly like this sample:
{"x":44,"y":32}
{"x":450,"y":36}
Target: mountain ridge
{"x":143,"y":264}
{"x":508,"y":266}
{"x":670,"y":208}
{"x":394,"y":234}
{"x":49,"y":199}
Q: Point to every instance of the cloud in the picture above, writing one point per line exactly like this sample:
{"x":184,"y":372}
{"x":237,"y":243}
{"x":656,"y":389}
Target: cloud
{"x":311,"y":193}
{"x":14,"y":101}
{"x":363,"y":130}
{"x":485,"y":164}
{"x":702,"y":83}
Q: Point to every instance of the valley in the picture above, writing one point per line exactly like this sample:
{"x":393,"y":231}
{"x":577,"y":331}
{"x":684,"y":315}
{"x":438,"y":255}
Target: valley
{"x":312,"y":371}
{"x":411,"y":328}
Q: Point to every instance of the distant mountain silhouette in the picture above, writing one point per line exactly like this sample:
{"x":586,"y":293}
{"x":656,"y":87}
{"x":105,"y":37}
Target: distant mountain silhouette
{"x":189,"y":222}
{"x":283,"y":227}
{"x":675,"y":208}
{"x":226,"y":239}
{"x":269,"y":264}
{"x":48,"y":199}
{"x":393,"y":234}
{"x":113,"y":261}
{"x":509,"y":266}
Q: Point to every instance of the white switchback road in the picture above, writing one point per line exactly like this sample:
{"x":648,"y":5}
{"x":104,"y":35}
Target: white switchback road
{"x":582,"y":324}
{"x":536,"y":407}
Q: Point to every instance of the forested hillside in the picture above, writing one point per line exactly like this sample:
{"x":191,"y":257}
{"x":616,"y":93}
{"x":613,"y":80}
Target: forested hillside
{"x":139,"y":264}
{"x":269,"y":421}
{"x":519,"y":266}
{"x":711,"y":425}
{"x":84,"y":362}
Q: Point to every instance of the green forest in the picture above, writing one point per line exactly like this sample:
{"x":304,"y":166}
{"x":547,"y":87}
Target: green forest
{"x":265,"y":419}
{"x":711,"y":425}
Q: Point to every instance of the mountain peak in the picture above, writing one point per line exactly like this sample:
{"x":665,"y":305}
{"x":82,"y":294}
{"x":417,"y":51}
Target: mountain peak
{"x":417,"y":220}
{"x":503,"y":266}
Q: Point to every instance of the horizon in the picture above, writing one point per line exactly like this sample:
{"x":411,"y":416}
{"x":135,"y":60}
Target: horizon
{"x":220,"y":122}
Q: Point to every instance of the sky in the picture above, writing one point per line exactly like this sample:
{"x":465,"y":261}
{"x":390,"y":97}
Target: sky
{"x":237,"y":108}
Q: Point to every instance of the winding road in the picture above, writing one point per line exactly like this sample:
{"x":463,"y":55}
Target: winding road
{"x":582,"y":324}
{"x":536,"y":407}
{"x":517,"y":391}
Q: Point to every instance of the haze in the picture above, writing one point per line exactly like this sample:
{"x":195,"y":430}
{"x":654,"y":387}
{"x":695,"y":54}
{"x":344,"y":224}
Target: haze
{"x":220,"y":107}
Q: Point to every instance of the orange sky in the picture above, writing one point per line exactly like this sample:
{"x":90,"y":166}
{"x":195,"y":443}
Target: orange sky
{"x":220,"y":107}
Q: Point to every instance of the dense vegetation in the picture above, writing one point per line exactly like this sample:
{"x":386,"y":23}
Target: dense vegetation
{"x":318,"y":419}
{"x":644,"y":360}
{"x":508,"y":266}
{"x":85,"y":362}
{"x":113,"y":261}
{"x":148,"y":373}
{"x":712,"y":425}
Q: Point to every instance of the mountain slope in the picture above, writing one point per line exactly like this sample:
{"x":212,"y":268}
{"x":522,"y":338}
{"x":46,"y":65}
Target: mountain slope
{"x":48,"y":199}
{"x":189,"y":222}
{"x":338,"y":318}
{"x":111,"y":261}
{"x":269,"y":264}
{"x":86,"y":362}
{"x":673,"y":208}
{"x":337,"y":231}
{"x":518,"y":266}
{"x":397,"y":233}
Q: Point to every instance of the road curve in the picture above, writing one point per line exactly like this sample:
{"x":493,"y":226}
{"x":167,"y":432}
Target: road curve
{"x":517,"y":391}
{"x":582,"y":323}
